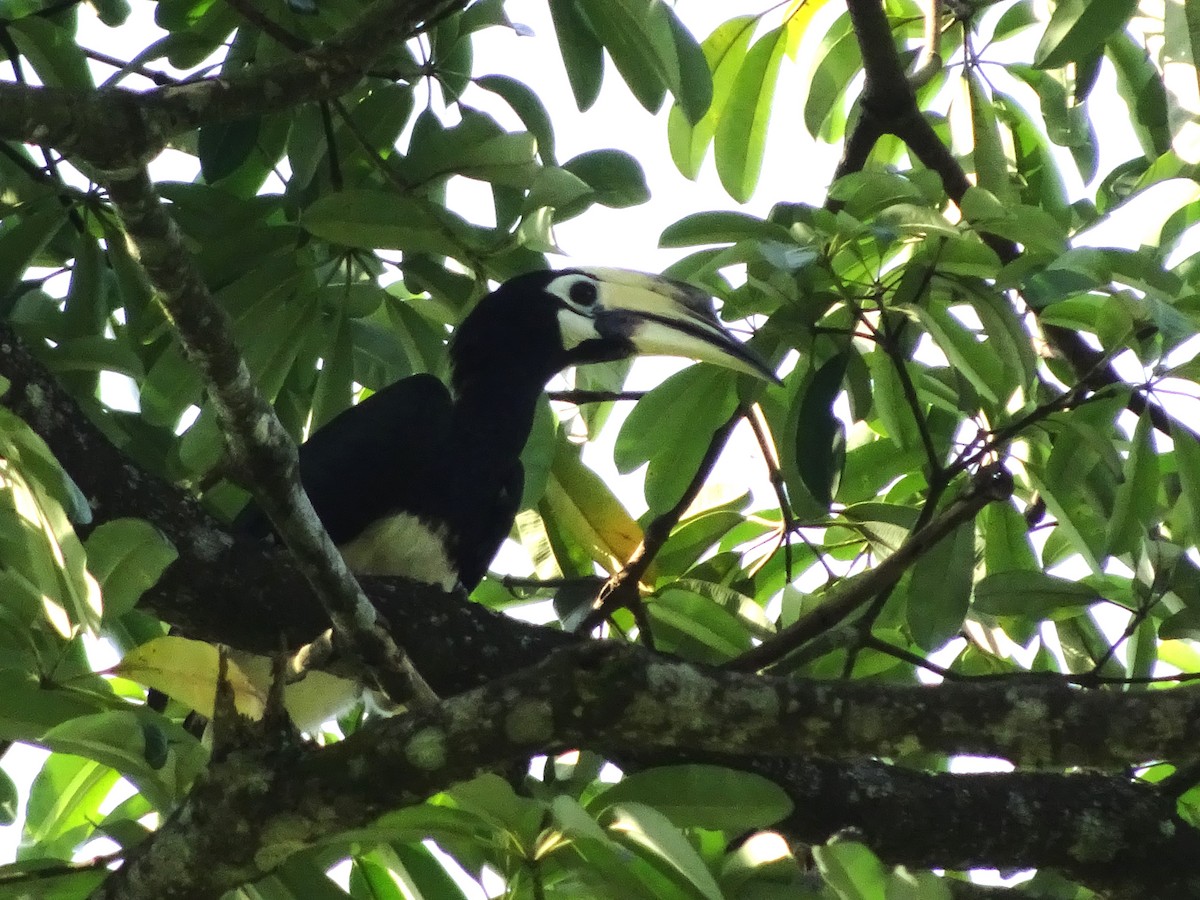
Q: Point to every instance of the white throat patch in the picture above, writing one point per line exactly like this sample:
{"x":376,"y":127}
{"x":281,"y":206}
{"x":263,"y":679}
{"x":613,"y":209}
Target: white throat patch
{"x":575,"y":328}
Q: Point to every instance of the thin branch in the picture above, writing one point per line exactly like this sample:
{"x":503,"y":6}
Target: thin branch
{"x":621,"y":591}
{"x":259,"y":446}
{"x":159,"y":78}
{"x":580,"y":397}
{"x":766,"y":446}
{"x":848,"y":596}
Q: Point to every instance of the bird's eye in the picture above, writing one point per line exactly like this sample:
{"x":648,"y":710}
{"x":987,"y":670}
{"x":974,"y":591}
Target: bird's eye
{"x":584,"y":293}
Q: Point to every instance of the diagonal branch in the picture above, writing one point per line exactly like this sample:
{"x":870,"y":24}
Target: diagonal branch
{"x":991,"y":484}
{"x":260,"y":449}
{"x":621,"y":591}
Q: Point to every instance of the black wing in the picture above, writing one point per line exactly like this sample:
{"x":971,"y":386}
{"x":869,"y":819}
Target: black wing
{"x":374,"y":459}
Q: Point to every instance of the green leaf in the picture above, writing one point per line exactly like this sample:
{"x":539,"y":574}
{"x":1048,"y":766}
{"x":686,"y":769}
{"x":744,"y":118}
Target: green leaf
{"x":991,"y":163}
{"x":615,"y":176}
{"x":645,"y":829}
{"x":852,"y":870}
{"x":1016,"y":18}
{"x":701,"y":796}
{"x":52,"y":51}
{"x":1187,"y":464}
{"x":1137,"y":494}
{"x":528,"y":107}
{"x":720,"y":227}
{"x":30,"y":708}
{"x":127,"y":556}
{"x":582,"y":52}
{"x":426,"y":873}
{"x":118,"y":739}
{"x":1079,"y":27}
{"x":586,"y":509}
{"x":1033,"y":594}
{"x":1006,"y":544}
{"x":820,"y":435}
{"x":725,"y":51}
{"x":691,"y":626}
{"x":558,"y":189}
{"x":224,"y":146}
{"x":1141,"y":85}
{"x":336,"y":378}
{"x":22,"y":238}
{"x":1191,"y":12}
{"x":112,"y":13}
{"x":974,"y":359}
{"x":639,"y":38}
{"x":689,"y":406}
{"x":24,"y":446}
{"x":371,"y":219}
{"x":10,"y":799}
{"x":694,"y":88}
{"x":838,"y":61}
{"x":64,"y":803}
{"x":940,"y":590}
{"x":741,"y":136}
{"x":371,"y":880}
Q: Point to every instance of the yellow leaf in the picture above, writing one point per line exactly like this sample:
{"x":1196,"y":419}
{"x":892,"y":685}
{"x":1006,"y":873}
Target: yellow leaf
{"x":187,"y":670}
{"x":583,"y":506}
{"x":796,"y":19}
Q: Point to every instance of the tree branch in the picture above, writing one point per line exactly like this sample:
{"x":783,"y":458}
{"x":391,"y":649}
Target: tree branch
{"x":260,"y":449}
{"x":119,"y":130}
{"x":608,"y":697}
{"x":621,"y":591}
{"x":890,"y":107}
{"x":247,"y":593}
{"x":991,"y":484}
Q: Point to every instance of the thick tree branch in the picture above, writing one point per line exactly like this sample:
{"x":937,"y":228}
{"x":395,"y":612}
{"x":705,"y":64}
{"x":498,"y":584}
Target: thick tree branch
{"x":248,"y":594}
{"x":118,"y":130}
{"x":1120,"y":837}
{"x":609,"y":697}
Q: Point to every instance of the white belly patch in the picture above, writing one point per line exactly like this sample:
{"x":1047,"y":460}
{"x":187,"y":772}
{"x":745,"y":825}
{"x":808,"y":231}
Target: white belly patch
{"x":402,"y":545}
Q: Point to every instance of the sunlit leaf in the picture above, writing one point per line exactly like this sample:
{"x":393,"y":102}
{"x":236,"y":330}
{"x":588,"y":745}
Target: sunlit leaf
{"x":741,"y":136}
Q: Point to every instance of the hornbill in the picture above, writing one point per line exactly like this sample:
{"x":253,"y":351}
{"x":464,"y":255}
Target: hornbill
{"x":424,"y":481}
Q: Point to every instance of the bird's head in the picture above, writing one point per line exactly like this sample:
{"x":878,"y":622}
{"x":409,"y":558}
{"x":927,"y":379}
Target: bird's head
{"x":588,"y":315}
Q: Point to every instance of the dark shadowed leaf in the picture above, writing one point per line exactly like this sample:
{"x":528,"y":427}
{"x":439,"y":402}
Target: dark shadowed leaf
{"x":702,"y":796}
{"x":1031,"y":593}
{"x":940,"y":589}
{"x":820,"y":435}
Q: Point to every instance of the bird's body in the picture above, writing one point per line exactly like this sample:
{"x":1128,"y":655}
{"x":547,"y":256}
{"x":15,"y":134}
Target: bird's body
{"x":424,"y":480}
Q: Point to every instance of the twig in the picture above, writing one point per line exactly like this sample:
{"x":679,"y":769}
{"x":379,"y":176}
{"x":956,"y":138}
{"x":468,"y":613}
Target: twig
{"x":766,"y":446}
{"x":580,"y":397}
{"x":992,"y":484}
{"x":621,"y":591}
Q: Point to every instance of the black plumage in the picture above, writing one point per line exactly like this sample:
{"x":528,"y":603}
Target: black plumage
{"x":423,"y":480}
